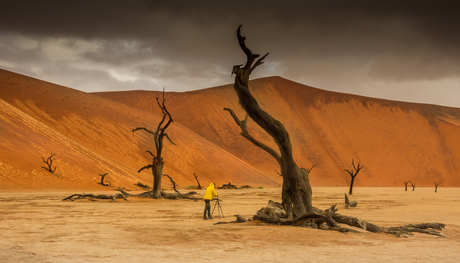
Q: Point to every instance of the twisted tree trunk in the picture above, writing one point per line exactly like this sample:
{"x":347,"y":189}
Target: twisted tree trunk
{"x":296,"y":193}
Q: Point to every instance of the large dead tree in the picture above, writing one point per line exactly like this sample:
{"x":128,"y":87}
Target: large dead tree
{"x":296,"y":207}
{"x":296,"y":193}
{"x":158,"y":136}
{"x":353,"y":173}
{"x":413,"y":185}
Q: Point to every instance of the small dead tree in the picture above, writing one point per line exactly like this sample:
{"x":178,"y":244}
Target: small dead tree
{"x":405,"y":185}
{"x":199,"y":185}
{"x":309,"y":170}
{"x":49,"y":162}
{"x":158,"y":136}
{"x":413,"y":185}
{"x":436,"y":184}
{"x":353,"y":174}
{"x":102,"y":180}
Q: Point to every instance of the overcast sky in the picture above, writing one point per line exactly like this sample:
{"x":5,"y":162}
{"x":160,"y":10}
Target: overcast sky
{"x":400,"y":50}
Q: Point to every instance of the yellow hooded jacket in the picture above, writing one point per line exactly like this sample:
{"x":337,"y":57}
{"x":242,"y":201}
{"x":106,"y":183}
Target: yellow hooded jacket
{"x":210,"y":192}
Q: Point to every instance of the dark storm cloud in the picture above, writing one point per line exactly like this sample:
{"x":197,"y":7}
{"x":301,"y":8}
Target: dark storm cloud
{"x":339,"y":45}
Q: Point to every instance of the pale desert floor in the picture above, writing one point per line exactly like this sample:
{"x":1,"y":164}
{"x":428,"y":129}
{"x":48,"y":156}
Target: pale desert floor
{"x":39,"y":227}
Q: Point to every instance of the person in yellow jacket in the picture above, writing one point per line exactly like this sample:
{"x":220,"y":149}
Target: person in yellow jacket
{"x":210,"y":193}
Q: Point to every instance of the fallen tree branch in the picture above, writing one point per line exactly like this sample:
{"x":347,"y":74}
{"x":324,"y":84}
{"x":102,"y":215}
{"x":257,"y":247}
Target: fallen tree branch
{"x":94,"y":197}
{"x":274,"y":214}
{"x":164,"y":195}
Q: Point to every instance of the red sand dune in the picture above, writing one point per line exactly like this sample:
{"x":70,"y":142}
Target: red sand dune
{"x":91,"y":135}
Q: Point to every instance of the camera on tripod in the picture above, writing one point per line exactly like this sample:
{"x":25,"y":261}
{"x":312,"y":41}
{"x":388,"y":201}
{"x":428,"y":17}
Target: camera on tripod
{"x":219,"y":208}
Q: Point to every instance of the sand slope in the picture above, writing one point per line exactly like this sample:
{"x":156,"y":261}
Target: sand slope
{"x":91,"y":135}
{"x":395,"y":141}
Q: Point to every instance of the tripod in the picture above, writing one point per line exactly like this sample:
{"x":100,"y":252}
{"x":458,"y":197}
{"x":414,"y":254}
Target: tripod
{"x":219,"y":209}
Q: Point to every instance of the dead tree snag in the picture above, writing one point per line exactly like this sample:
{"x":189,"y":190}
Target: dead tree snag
{"x":49,"y":163}
{"x":102,"y":180}
{"x":353,"y":174}
{"x":158,"y":136}
{"x":436,"y":184}
{"x":405,"y":185}
{"x":296,"y":207}
{"x":413,"y":185}
{"x":349,"y":203}
{"x":199,"y":185}
{"x":296,"y":193}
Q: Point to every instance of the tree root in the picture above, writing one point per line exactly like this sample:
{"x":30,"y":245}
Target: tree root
{"x":329,"y":220}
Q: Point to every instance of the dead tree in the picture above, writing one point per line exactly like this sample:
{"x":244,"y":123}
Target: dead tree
{"x":49,"y":163}
{"x":353,"y":174}
{"x":413,"y":186}
{"x":405,"y":185}
{"x":296,"y":207}
{"x":102,"y":180}
{"x":199,"y":185}
{"x":297,"y":192}
{"x":158,"y":136}
{"x":436,"y":184}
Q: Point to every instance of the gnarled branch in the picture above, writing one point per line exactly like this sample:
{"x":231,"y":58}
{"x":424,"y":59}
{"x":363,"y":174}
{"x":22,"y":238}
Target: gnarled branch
{"x":245,"y":134}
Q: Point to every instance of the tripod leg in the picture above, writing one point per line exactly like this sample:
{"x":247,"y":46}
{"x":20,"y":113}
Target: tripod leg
{"x":215,"y":207}
{"x":221,"y":211}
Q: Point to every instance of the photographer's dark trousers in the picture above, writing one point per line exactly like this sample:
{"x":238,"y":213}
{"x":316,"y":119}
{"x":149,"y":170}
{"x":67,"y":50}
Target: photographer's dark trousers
{"x":207,"y":208}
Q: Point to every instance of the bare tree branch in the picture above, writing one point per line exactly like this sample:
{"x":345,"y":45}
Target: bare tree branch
{"x":245,"y":134}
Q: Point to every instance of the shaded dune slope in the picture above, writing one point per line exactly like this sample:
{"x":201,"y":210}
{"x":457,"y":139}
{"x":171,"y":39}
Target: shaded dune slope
{"x":91,"y":135}
{"x":395,"y":141}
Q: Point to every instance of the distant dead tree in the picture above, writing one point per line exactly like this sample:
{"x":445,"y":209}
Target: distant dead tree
{"x":102,"y":180}
{"x":413,"y":185}
{"x":353,"y":174}
{"x":405,"y":185}
{"x":436,"y":184}
{"x":49,"y":162}
{"x":309,"y":170}
{"x":199,"y":185}
{"x":158,"y":136}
